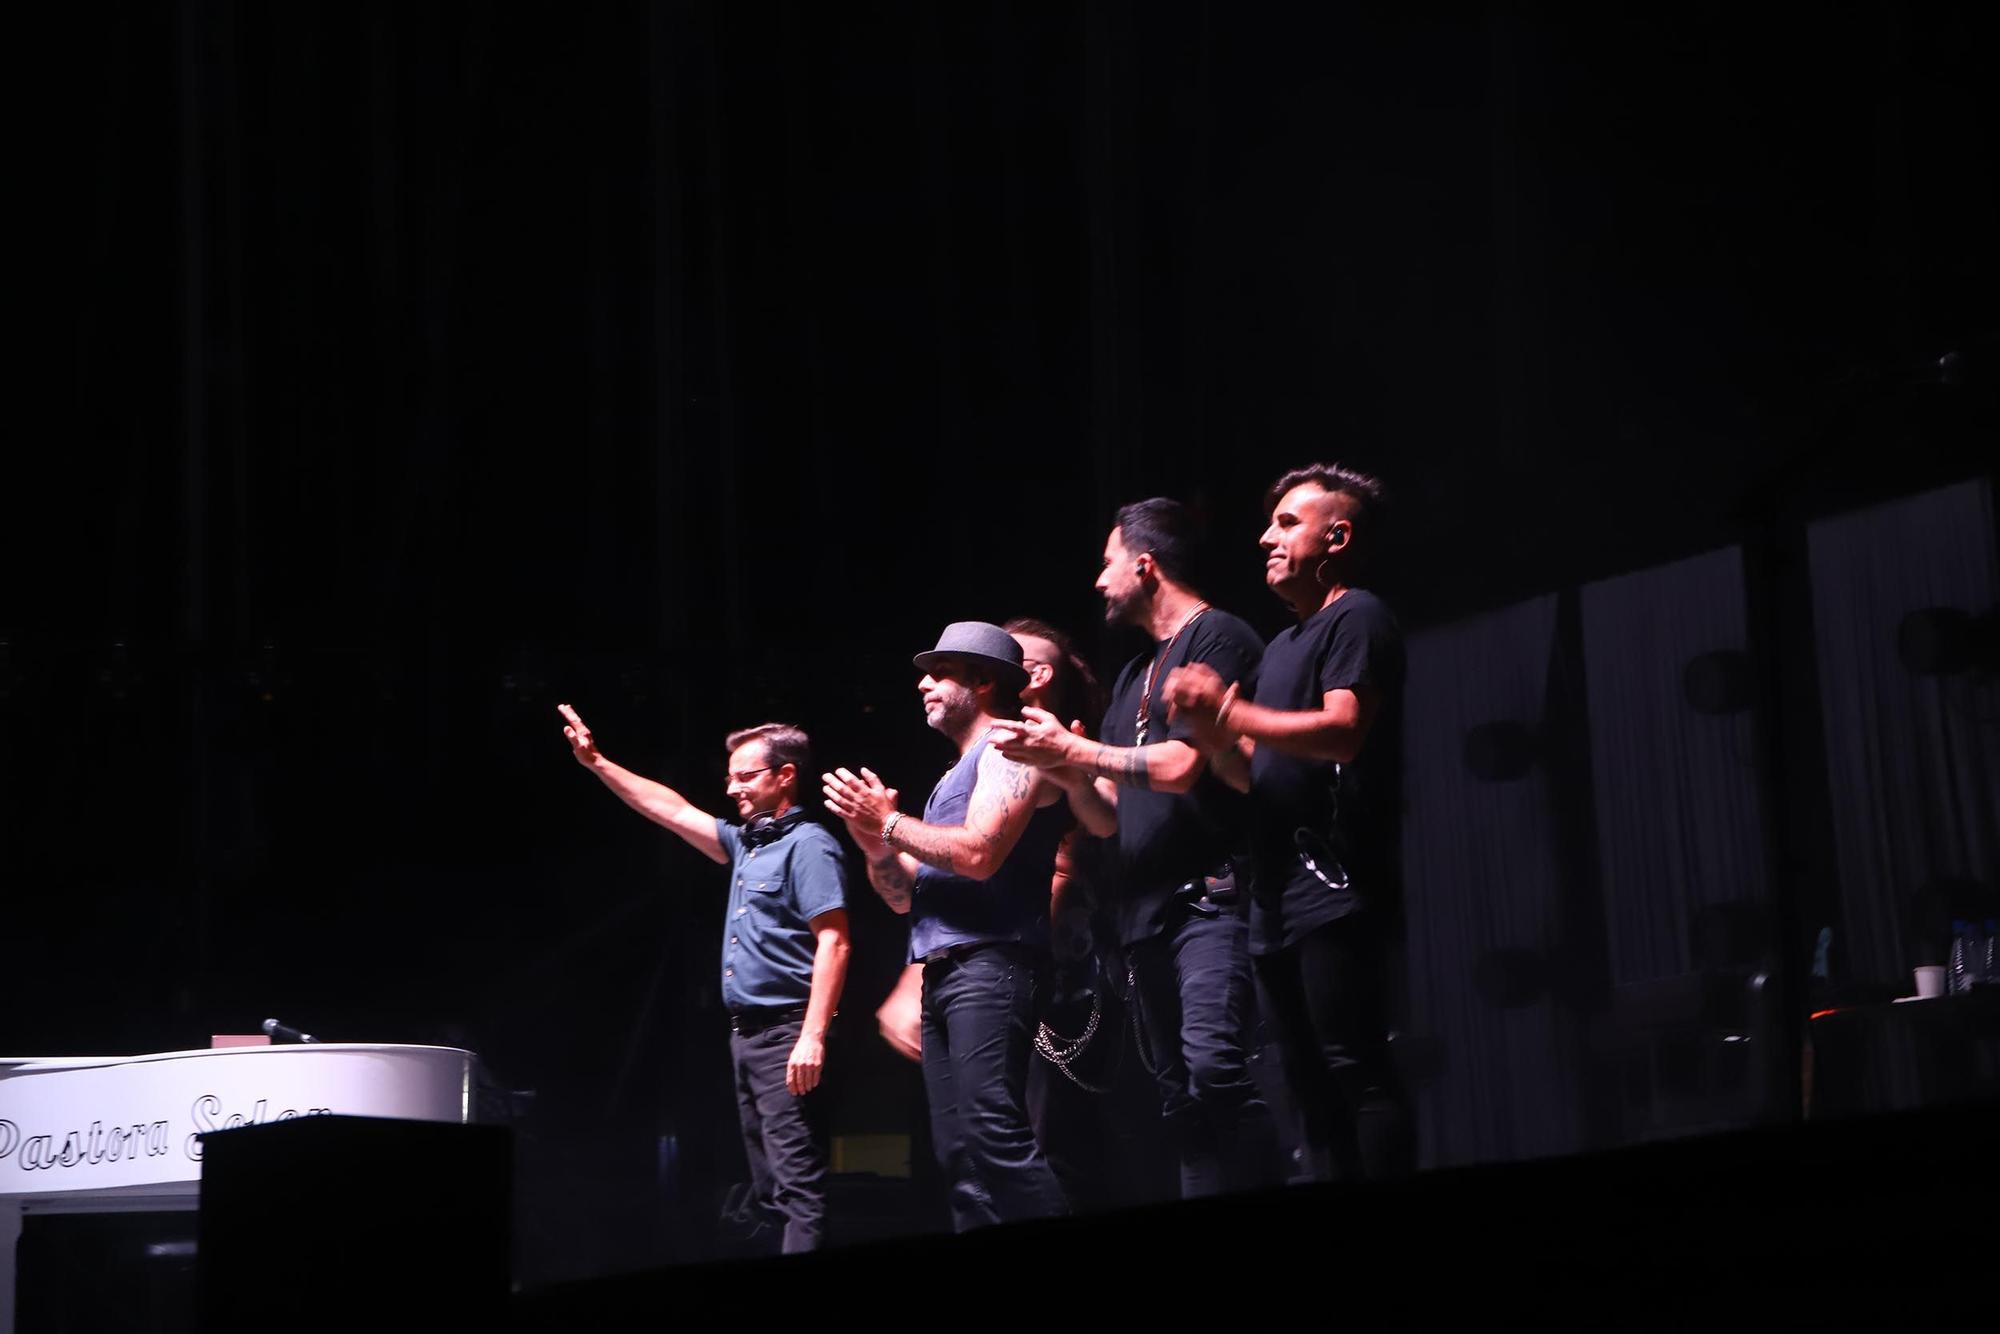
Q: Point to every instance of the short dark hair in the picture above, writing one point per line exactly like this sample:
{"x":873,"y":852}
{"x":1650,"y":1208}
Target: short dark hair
{"x":1164,"y":530}
{"x":784,"y":744}
{"x":1366,"y":498}
{"x":1077,"y":692}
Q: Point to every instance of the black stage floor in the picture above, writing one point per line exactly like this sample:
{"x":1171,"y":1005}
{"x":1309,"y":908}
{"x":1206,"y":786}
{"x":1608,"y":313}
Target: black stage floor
{"x":1886,"y":1221}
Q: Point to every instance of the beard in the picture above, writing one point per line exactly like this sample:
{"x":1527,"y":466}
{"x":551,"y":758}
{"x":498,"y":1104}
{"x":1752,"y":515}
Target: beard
{"x":953,"y":710}
{"x":1118,"y":607}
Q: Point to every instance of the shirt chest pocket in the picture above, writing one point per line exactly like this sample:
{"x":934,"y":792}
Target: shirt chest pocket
{"x":764,"y":890}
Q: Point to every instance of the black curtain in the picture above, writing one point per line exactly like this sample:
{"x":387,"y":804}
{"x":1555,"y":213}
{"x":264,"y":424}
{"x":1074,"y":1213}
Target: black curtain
{"x":1913,"y":755}
{"x":1485,"y":912}
{"x":1680,"y":800}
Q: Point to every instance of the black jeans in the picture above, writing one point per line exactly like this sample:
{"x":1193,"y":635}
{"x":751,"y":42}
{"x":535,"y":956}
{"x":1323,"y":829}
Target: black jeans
{"x":979,"y":1032}
{"x":1323,"y":1002}
{"x":1194,"y":990}
{"x":784,"y":1137}
{"x":1106,"y":1143}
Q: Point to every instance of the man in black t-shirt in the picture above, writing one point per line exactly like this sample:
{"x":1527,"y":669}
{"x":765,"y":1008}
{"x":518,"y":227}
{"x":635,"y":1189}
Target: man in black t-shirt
{"x":1174,"y":892}
{"x":1314,"y":735}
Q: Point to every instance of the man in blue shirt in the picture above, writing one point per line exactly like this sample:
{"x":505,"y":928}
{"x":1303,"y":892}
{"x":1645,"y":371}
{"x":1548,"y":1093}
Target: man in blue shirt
{"x":784,"y":952}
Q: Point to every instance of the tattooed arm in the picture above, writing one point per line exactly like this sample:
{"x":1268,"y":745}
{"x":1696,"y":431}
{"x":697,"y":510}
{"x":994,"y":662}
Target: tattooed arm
{"x":892,"y":873}
{"x":1164,"y":766}
{"x":1004,"y":797}
{"x":1037,"y":738}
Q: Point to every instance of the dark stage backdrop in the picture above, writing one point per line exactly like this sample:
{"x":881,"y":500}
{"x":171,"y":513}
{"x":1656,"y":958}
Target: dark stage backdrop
{"x":399,"y":371}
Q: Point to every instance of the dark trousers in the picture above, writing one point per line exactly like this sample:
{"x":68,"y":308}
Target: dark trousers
{"x":1324,"y":1004}
{"x":784,"y":1137}
{"x":1194,"y":993}
{"x":1105,"y":1142}
{"x":979,"y":1031}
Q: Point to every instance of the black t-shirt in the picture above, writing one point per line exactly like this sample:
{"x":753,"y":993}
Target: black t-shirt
{"x":1350,"y":814}
{"x":1167,"y":839}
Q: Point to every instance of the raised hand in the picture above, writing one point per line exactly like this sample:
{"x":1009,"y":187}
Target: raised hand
{"x":581,"y":743}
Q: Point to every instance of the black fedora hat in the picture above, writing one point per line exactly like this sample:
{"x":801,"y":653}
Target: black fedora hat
{"x":983,"y":643}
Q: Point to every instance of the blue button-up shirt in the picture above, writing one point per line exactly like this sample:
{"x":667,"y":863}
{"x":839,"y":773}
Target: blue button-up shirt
{"x":774,"y":893}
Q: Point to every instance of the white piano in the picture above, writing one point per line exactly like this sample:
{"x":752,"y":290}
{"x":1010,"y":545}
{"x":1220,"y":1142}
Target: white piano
{"x":102,"y":1134}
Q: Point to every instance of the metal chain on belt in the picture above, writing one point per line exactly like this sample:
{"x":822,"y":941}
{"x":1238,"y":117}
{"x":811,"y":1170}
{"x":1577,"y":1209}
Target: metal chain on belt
{"x":1046,"y":1040}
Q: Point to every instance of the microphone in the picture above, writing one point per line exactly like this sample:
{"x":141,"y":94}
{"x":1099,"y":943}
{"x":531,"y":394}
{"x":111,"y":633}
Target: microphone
{"x":286,"y":1033}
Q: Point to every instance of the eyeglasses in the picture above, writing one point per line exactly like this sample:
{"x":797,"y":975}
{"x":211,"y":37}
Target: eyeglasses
{"x":748,"y":774}
{"x":1029,"y":664}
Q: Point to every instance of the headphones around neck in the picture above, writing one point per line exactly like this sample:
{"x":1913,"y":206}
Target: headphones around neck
{"x":766,"y":828}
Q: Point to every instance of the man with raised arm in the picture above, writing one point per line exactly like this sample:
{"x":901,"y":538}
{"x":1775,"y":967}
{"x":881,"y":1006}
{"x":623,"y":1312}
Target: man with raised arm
{"x":784,"y":952}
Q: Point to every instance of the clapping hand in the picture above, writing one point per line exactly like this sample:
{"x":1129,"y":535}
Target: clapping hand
{"x":862,"y":800}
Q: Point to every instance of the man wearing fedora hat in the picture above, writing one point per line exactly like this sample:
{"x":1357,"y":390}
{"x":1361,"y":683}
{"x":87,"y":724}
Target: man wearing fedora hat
{"x":974,"y":876}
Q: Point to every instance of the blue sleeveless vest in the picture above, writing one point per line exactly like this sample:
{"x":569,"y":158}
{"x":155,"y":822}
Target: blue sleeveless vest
{"x":1010,"y":905}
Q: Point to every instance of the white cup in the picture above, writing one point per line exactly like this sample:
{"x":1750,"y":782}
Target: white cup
{"x":1930,"y":981}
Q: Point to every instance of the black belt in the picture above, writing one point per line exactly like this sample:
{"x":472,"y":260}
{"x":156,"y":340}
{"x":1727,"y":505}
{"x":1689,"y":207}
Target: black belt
{"x":757,"y":1018}
{"x":970,"y":947}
